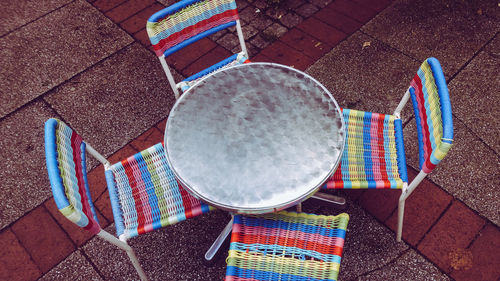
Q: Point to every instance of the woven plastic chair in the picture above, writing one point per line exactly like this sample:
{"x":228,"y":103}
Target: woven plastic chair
{"x":143,"y":191}
{"x":374,"y":153}
{"x":188,"y":21}
{"x":286,"y":246}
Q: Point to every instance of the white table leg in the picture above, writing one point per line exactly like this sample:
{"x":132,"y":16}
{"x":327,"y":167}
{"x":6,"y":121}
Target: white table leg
{"x":209,"y":255}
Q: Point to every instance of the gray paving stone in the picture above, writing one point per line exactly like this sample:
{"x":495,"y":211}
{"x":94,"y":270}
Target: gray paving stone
{"x":228,"y":41}
{"x":470,"y":171}
{"x":115,"y":101}
{"x":451,"y":31}
{"x":274,"y":31}
{"x":52,"y":49}
{"x":24,"y":183}
{"x":409,"y":266}
{"x":307,"y":10}
{"x":475,"y":95}
{"x":75,"y":267}
{"x":175,"y":252}
{"x":290,"y":20}
{"x":372,"y":78}
{"x":17,"y":13}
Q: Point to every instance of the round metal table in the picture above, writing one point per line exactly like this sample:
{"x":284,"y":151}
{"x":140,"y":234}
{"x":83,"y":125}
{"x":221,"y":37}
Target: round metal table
{"x":254,"y":138}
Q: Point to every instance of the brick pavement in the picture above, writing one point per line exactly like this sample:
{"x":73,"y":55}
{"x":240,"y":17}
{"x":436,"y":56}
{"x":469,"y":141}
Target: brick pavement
{"x":455,"y":238}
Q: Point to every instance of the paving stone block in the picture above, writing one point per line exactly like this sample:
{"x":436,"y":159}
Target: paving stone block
{"x":280,"y":53}
{"x":127,"y":9}
{"x":24,"y":183}
{"x":376,"y":5}
{"x":68,"y":41}
{"x":261,"y":58}
{"x":474,"y":95}
{"x":338,"y":20}
{"x":304,"y":43}
{"x":97,"y":182}
{"x":469,"y":171}
{"x":75,"y":267}
{"x":147,"y":139}
{"x":43,"y":238}
{"x":293,"y":4}
{"x":17,"y":13}
{"x":274,"y":31}
{"x":260,"y":42}
{"x":106,"y":5}
{"x":103,"y":204}
{"x":107,"y":107}
{"x":77,"y":234}
{"x":215,"y":55}
{"x":372,"y":78}
{"x":241,"y":4}
{"x":138,"y":21}
{"x":354,"y":10}
{"x":143,"y":37}
{"x":409,"y":266}
{"x":322,"y":31}
{"x":290,"y":19}
{"x":320,"y":3}
{"x":187,"y":55}
{"x":248,"y":32}
{"x":15,"y":262}
{"x":453,"y":232}
{"x":306,"y":10}
{"x":380,"y":203}
{"x":422,"y":209}
{"x":161,"y":125}
{"x":480,"y":261}
{"x":229,"y":41}
{"x":452,"y":32}
{"x":260,"y":23}
{"x":248,"y":14}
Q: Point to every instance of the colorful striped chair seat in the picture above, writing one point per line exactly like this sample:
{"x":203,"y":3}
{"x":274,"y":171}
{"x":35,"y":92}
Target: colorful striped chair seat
{"x":188,"y":21}
{"x":145,"y":194}
{"x":373,"y":154}
{"x":286,"y":246}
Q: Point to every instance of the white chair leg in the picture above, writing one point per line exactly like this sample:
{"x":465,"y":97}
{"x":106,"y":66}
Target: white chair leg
{"x":137,"y":265}
{"x":401,"y":213}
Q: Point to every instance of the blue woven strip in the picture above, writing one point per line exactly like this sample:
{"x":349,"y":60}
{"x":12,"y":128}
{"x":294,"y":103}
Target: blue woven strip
{"x":313,"y":229}
{"x":444,"y":98}
{"x":115,"y":202}
{"x":344,"y":166}
{"x":149,"y":188}
{"x":400,"y":150}
{"x":266,"y":275}
{"x":419,"y":128}
{"x":367,"y":157}
{"x":197,"y":37}
{"x":86,"y":184}
{"x":56,"y":182}
{"x":212,"y":68}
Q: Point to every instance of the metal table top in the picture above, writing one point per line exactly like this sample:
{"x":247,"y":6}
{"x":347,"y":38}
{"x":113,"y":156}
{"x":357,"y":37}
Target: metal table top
{"x":254,"y":138}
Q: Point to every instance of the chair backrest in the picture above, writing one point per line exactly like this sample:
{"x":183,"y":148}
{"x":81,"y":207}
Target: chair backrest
{"x":65,"y":157}
{"x":188,"y":21}
{"x":431,"y":104}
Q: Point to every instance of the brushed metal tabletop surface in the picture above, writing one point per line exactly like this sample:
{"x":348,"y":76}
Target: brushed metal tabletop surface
{"x":254,"y":138}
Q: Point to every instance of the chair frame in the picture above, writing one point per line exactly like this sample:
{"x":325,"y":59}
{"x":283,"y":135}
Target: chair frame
{"x":174,"y":9}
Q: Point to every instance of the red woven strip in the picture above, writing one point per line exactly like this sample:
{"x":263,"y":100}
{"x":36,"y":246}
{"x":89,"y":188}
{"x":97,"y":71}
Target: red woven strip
{"x":291,"y":242}
{"x":192,"y":30}
{"x":423,"y":115}
{"x":141,"y":219}
{"x":380,"y":134}
{"x":76,"y":142}
{"x":188,"y":208}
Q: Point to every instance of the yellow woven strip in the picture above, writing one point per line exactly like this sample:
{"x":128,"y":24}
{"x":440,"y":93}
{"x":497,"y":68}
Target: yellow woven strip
{"x":355,"y":147}
{"x":183,"y":16}
{"x":441,"y":150}
{"x":391,"y":152}
{"x":283,"y":265}
{"x":432,"y":105}
{"x":340,"y":221}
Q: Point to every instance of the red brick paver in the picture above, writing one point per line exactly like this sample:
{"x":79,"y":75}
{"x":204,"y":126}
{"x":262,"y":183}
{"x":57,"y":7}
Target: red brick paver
{"x":357,"y":11}
{"x":279,"y":52}
{"x":424,"y":206}
{"x":44,"y":239}
{"x":138,"y":21}
{"x":322,"y":31}
{"x":305,"y":44}
{"x":214,"y":56}
{"x":451,"y":235}
{"x":380,"y":203}
{"x":147,"y":139}
{"x":15,"y":262}
{"x":127,"y":9}
{"x":186,"y":56}
{"x":481,"y":261}
{"x":106,"y":5}
{"x":338,"y":20}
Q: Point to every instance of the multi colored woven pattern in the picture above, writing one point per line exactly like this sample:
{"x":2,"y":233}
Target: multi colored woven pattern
{"x":145,"y":194}
{"x":432,"y":108}
{"x":65,"y":157}
{"x":186,"y":19}
{"x":286,"y":246}
{"x":373,"y":154}
{"x":236,"y":59}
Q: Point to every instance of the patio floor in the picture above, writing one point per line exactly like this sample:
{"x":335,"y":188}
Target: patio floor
{"x":90,"y":64}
